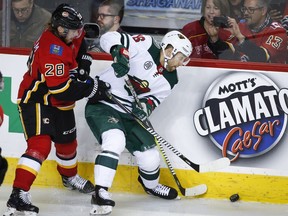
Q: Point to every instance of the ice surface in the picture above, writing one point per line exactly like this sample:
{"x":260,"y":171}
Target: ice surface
{"x":62,"y":202}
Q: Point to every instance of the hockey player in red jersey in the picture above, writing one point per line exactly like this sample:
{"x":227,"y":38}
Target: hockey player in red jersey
{"x":46,"y":97}
{"x":258,"y":39}
{"x":198,"y":31}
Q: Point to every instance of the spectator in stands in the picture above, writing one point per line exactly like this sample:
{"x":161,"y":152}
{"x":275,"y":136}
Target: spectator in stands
{"x":235,"y":9}
{"x":108,"y":16}
{"x":94,"y":10}
{"x":198,"y":31}
{"x":259,"y":39}
{"x":27,"y":22}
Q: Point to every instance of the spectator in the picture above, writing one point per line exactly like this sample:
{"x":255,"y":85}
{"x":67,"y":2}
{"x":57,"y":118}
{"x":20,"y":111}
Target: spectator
{"x":259,"y":39}
{"x":46,"y":98}
{"x":109,"y":17}
{"x":197,"y":31}
{"x":3,"y":161}
{"x":235,"y":9}
{"x":27,"y":23}
{"x":94,"y":10}
{"x":151,"y":69}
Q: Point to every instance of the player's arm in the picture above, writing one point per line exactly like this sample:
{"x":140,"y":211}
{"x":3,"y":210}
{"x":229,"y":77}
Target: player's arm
{"x":222,"y":49}
{"x":84,"y":61}
{"x":117,"y":44}
{"x":253,"y":52}
{"x":73,"y":90}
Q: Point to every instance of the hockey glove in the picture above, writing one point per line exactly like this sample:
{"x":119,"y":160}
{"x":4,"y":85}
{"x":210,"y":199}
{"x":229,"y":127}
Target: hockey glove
{"x":121,"y":60}
{"x":147,"y":106}
{"x":98,"y":91}
{"x":83,"y":69}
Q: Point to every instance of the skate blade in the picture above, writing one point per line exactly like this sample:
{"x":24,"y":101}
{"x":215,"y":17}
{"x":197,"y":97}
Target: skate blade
{"x":14,"y":212}
{"x":101,"y":210}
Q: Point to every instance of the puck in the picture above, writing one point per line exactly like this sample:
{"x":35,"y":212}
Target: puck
{"x":234,"y":197}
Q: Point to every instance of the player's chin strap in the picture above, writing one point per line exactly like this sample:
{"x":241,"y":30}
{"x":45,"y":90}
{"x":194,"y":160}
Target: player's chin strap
{"x":166,"y":58}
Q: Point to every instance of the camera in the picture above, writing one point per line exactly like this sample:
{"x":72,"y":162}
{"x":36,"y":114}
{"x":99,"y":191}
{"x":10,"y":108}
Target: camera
{"x":92,"y":30}
{"x":221,"y":21}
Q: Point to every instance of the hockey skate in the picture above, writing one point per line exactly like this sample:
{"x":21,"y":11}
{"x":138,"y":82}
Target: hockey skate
{"x":20,"y":202}
{"x":161,"y":191}
{"x":78,"y":183}
{"x":102,"y":203}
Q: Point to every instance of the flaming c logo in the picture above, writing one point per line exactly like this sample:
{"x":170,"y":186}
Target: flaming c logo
{"x":244,"y":114}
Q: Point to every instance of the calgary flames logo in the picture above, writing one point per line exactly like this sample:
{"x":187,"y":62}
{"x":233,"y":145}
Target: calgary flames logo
{"x":244,"y":114}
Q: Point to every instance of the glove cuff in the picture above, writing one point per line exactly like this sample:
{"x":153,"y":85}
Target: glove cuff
{"x":94,"y":90}
{"x":87,"y":57}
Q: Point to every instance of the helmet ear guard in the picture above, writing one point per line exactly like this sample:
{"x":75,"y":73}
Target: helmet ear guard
{"x":67,"y":17}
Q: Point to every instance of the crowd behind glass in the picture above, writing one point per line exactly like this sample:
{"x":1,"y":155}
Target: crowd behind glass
{"x":29,"y":17}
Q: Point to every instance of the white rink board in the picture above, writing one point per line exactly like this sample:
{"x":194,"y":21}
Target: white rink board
{"x":173,"y":120}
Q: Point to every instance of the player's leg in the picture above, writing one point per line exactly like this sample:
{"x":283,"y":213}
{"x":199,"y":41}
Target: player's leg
{"x":38,"y":149}
{"x":66,"y":153}
{"x":147,"y":156}
{"x":105,"y":123}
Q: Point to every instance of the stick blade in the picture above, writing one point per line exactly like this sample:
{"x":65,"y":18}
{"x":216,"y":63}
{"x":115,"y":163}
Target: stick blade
{"x":196,"y":191}
{"x":215,"y":165}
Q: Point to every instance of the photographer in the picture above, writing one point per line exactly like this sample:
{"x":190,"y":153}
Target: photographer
{"x":258,"y":39}
{"x":198,"y":31}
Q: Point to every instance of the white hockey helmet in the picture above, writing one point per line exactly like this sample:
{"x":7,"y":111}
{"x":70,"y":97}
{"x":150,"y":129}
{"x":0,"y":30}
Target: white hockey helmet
{"x":179,"y":42}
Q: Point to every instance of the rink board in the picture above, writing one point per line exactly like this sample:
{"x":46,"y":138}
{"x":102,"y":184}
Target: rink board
{"x":256,"y":175}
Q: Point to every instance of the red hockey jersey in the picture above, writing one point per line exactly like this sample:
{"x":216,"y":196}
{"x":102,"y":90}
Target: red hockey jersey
{"x":272,"y":38}
{"x":49,"y":65}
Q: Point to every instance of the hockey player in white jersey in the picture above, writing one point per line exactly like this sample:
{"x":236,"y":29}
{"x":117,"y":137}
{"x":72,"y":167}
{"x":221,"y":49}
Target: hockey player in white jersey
{"x":151,"y":69}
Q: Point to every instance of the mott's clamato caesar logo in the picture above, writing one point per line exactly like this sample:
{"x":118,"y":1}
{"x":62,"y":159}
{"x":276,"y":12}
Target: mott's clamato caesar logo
{"x":244,"y":114}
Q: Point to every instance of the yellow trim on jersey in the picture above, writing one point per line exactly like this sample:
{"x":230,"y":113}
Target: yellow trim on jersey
{"x":230,"y":46}
{"x":21,"y":119}
{"x":34,"y":89}
{"x":45,"y":98}
{"x":64,"y":88}
{"x":67,"y":107}
{"x":194,"y":36}
{"x":267,"y":53}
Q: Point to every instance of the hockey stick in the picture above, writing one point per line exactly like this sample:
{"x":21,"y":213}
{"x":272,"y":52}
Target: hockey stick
{"x":193,"y":191}
{"x":134,"y":94}
{"x":211,"y":166}
{"x":200,"y":189}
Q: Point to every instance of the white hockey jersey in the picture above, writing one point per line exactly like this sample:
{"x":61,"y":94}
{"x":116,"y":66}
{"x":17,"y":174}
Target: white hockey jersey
{"x":148,"y":77}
